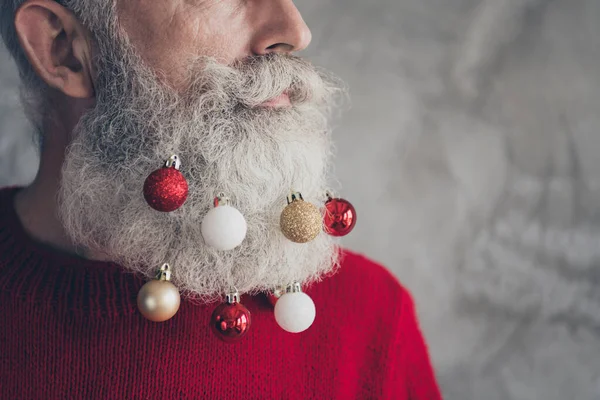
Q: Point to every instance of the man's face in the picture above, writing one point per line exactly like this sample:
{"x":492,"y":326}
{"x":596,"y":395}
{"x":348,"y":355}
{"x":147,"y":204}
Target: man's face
{"x":170,"y":35}
{"x":217,"y":117}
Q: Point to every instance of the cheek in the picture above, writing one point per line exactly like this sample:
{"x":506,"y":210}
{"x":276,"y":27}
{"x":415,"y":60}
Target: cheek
{"x":169,"y":42}
{"x":208,"y":40}
{"x":221,"y":32}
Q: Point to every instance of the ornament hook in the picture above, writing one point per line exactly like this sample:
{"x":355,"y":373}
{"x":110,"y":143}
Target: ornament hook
{"x":173,"y":161}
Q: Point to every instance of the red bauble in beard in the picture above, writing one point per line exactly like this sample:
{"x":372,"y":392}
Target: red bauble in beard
{"x":339,"y":216}
{"x":166,"y":189}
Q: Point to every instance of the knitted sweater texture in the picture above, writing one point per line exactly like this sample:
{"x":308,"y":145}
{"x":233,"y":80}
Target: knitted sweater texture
{"x":70,"y":329}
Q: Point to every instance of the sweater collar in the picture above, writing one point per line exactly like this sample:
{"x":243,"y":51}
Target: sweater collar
{"x":39,"y":273}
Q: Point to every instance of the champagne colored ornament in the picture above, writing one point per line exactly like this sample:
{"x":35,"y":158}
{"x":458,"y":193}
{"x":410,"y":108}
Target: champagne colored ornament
{"x":300,"y":221}
{"x":339,"y":216}
{"x":223,"y":227}
{"x":159,"y":300}
{"x":295,"y":311}
{"x":231,"y":320}
{"x":166,"y":188}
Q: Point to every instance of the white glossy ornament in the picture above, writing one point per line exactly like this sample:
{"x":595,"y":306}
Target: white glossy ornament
{"x":224,"y":227}
{"x":295,"y":311}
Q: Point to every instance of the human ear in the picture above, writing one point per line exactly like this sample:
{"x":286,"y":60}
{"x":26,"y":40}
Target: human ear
{"x":57,"y":46}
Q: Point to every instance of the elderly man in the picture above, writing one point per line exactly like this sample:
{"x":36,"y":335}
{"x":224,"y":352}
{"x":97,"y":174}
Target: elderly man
{"x":185,"y":152}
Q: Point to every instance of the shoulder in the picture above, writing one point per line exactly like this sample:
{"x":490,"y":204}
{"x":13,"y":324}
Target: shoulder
{"x":363,"y":276}
{"x":364,"y":286}
{"x":358,"y":266}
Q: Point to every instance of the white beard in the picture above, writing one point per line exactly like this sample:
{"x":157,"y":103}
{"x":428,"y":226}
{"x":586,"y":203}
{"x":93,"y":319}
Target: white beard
{"x":256,"y":156}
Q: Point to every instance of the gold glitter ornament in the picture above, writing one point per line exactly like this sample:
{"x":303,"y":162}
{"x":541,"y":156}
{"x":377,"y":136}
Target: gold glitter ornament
{"x":300,"y":221}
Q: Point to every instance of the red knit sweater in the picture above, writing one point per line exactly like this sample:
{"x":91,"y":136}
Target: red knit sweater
{"x":70,"y":329}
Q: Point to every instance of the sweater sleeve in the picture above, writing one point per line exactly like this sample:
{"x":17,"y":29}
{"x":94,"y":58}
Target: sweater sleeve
{"x":419,"y":378}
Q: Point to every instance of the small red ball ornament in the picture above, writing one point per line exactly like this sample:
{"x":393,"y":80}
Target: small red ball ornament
{"x":275,"y":295}
{"x":231,"y":320}
{"x":166,"y":188}
{"x":340,"y":217}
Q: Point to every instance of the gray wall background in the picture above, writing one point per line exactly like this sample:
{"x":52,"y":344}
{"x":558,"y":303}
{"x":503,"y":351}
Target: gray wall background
{"x":473,"y":156}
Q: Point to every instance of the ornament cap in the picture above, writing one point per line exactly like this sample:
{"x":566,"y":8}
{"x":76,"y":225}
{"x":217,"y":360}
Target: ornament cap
{"x":294,"y":196}
{"x":232,"y":297}
{"x":222,"y":200}
{"x":294,"y":287}
{"x":173,"y":161}
{"x":164,"y":273}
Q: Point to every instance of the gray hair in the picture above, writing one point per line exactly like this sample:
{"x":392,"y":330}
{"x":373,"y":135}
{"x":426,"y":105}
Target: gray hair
{"x":95,"y":15}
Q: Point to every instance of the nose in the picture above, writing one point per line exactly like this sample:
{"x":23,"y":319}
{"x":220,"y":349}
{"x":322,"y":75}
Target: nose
{"x":280,"y":29}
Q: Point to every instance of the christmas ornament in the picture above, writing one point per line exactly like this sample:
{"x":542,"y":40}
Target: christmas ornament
{"x":231,"y":320}
{"x":275,"y":295}
{"x":166,"y":189}
{"x":223,"y":227}
{"x":158,"y":300}
{"x":295,"y":311}
{"x":339,"y":217}
{"x":300,"y":221}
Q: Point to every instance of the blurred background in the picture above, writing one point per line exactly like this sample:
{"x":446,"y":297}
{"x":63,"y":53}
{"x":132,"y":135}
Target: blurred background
{"x":472,"y":154}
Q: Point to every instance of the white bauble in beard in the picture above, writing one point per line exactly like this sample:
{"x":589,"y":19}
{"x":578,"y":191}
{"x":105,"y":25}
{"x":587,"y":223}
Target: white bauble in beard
{"x":226,"y":144}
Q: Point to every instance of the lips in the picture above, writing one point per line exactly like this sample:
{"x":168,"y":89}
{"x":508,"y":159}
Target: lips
{"x":283,"y":100}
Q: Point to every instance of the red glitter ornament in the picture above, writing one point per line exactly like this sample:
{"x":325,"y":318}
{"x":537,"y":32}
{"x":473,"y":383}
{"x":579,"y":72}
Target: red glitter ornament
{"x":231,"y":320}
{"x":166,"y":188}
{"x":339,"y":218}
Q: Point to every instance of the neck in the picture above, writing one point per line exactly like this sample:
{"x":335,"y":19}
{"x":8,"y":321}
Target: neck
{"x":37,"y":204}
